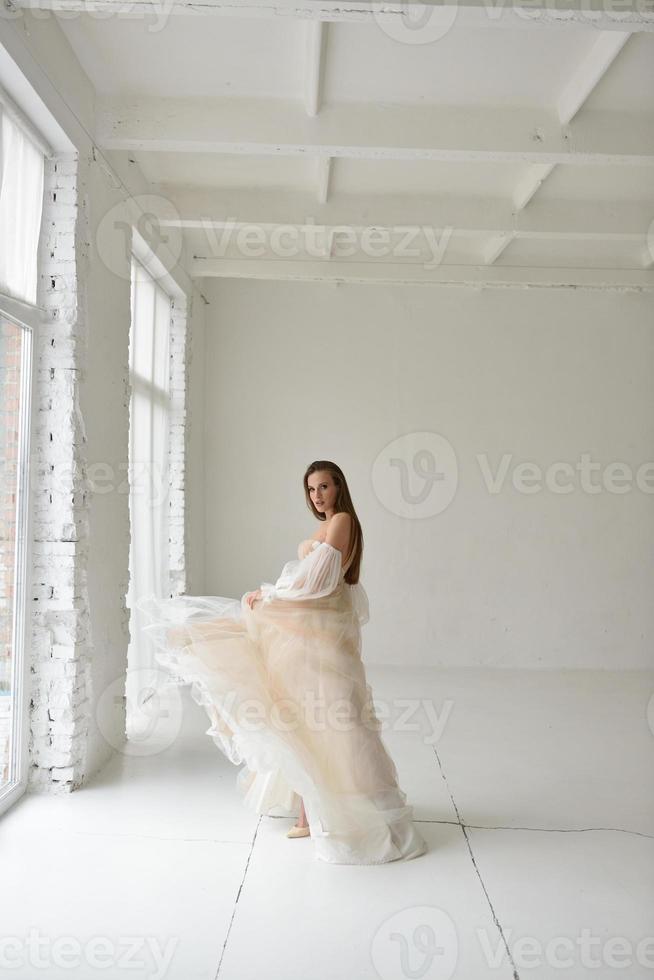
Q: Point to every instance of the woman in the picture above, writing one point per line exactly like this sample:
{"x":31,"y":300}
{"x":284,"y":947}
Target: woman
{"x":281,"y":677}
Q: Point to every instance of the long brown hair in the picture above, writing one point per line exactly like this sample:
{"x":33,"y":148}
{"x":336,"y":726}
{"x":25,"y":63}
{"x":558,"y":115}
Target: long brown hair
{"x":342,"y":504}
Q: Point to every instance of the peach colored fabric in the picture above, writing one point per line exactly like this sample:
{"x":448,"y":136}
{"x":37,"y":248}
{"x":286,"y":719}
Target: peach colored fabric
{"x":285,"y":688}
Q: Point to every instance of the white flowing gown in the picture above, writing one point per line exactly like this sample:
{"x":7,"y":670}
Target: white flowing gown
{"x":285,"y":688}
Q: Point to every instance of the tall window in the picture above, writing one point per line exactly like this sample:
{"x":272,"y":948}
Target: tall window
{"x":21,"y":200}
{"x":149,"y":472}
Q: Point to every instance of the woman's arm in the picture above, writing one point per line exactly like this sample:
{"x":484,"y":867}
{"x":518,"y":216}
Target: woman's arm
{"x":313,"y":577}
{"x":317,"y":573}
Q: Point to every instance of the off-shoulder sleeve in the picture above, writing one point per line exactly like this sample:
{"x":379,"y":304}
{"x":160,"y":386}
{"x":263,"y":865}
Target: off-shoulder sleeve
{"x":312,"y":577}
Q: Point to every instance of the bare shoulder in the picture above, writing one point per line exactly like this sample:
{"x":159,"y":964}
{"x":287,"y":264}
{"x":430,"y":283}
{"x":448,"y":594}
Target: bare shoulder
{"x":343,"y":519}
{"x":338,"y":531}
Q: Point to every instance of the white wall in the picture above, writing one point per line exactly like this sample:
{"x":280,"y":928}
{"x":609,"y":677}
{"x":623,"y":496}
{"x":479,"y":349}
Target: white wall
{"x":299,"y":371}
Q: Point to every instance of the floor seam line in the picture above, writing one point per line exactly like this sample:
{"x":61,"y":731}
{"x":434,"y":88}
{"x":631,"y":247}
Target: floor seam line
{"x":496,"y":920}
{"x":238,"y":895}
{"x":540,"y":830}
{"x":154,"y":837}
{"x":563,"y":830}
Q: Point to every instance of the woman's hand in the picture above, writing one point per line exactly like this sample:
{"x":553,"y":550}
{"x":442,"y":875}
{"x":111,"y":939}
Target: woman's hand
{"x":252,"y":597}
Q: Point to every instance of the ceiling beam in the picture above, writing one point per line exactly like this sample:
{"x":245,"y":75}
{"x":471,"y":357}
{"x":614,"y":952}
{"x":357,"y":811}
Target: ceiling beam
{"x":577,"y":90}
{"x":372,"y":131}
{"x":624,"y":15}
{"x":231,"y":240}
{"x":418,"y":244}
{"x":314,"y":53}
{"x":557,"y":220}
{"x":589,"y":72}
{"x":323,"y":175}
{"x":529,"y":183}
{"x":459,"y":226}
{"x":494,"y":248}
{"x":591,"y":69}
{"x":395,"y":272}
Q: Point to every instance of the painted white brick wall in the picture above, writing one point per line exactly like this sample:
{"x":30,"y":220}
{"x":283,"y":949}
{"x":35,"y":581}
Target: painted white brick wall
{"x":60,"y":666}
{"x":64,"y":724}
{"x":180,"y":314}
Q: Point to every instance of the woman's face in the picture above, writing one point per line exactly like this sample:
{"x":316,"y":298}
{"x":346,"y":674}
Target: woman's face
{"x":322,"y":491}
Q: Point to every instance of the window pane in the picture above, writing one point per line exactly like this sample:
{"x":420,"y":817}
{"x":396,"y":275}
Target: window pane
{"x":149,"y":422}
{"x":14,"y":348}
{"x":21,"y":202}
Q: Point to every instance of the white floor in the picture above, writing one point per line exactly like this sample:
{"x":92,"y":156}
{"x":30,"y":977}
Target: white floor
{"x":536,"y":798}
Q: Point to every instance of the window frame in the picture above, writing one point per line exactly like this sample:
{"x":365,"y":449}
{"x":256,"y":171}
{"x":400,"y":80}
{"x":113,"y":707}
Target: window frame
{"x":29,"y":318}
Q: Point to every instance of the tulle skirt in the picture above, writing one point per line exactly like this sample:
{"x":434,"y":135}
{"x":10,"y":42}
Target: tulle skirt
{"x":285,"y":689}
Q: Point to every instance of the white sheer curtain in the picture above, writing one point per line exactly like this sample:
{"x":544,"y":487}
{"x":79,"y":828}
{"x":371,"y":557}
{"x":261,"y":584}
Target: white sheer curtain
{"x":21,"y":204}
{"x":149,"y":475}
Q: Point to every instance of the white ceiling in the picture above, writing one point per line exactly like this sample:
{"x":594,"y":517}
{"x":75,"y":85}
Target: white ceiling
{"x":190,"y":56}
{"x":535,"y":140}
